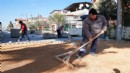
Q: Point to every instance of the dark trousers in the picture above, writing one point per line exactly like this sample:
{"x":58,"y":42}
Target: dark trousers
{"x":59,"y":33}
{"x":93,"y":48}
{"x":22,"y":36}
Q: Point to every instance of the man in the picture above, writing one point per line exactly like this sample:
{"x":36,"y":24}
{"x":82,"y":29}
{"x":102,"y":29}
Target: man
{"x":59,"y":29}
{"x":23,"y":31}
{"x":92,"y":25}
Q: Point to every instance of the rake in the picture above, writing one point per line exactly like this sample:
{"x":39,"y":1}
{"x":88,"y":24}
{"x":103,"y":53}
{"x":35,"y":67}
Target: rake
{"x":66,"y":56}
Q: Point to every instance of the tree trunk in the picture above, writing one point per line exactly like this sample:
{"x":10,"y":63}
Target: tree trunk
{"x":119,"y":21}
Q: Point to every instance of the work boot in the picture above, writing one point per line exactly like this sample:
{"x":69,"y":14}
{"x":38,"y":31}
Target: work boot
{"x":93,"y":54}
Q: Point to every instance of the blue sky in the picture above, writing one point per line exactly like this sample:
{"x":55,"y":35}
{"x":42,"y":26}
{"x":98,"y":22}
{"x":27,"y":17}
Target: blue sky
{"x":11,"y":9}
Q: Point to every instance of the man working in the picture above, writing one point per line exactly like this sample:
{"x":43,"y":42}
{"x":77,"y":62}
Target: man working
{"x":23,"y":31}
{"x":59,"y":31}
{"x":92,"y":25}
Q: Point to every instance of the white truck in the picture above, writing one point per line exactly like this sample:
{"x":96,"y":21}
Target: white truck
{"x":75,"y":32}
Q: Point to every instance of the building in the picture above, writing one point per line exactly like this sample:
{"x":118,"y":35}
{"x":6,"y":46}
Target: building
{"x":78,"y":6}
{"x":30,"y":20}
{"x":58,"y":11}
{"x":73,"y":13}
{"x":53,"y":25}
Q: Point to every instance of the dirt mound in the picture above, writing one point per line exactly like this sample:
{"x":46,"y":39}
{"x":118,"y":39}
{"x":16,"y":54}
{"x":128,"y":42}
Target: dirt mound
{"x":113,"y":57}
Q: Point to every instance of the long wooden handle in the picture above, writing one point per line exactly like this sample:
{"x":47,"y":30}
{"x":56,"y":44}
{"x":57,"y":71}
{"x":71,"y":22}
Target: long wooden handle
{"x":74,"y":51}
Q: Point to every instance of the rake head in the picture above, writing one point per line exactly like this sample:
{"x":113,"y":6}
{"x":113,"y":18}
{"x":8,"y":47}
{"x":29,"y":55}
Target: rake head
{"x":65,"y":58}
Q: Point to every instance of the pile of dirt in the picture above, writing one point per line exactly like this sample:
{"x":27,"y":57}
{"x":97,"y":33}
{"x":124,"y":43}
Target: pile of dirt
{"x":113,"y":57}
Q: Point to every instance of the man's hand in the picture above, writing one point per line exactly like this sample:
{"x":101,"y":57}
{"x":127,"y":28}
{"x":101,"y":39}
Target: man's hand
{"x":20,"y":31}
{"x":102,"y":32}
{"x":90,"y":39}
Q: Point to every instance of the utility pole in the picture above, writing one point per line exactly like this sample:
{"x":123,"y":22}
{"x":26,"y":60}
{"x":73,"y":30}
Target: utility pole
{"x":119,"y":21}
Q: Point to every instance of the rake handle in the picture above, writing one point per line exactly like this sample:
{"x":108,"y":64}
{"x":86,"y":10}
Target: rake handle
{"x":75,"y":50}
{"x":70,"y":53}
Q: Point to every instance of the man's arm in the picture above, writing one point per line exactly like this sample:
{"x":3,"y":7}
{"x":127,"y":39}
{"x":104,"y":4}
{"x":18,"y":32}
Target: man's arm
{"x":86,"y":31}
{"x":104,"y":24}
{"x":22,"y":29}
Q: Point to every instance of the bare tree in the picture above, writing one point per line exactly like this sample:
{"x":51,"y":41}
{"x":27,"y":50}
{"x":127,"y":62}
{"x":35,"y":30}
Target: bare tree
{"x":10,"y":26}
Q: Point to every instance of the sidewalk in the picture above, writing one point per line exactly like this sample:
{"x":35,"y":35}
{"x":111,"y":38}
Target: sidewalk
{"x":34,"y":38}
